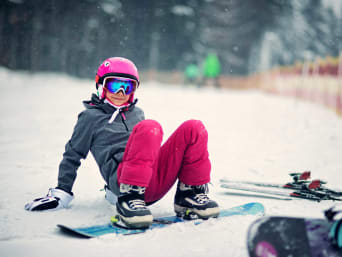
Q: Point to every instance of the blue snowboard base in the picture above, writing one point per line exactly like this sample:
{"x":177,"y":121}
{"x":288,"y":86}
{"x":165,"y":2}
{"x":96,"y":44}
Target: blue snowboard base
{"x":109,"y":228}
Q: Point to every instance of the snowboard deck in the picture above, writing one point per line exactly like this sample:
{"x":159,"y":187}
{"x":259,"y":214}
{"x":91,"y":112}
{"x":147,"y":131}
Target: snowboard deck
{"x":253,"y":208}
{"x":287,"y":236}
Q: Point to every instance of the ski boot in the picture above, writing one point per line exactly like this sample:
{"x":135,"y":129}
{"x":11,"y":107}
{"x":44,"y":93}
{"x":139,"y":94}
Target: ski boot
{"x":193,"y":200}
{"x":131,"y":207}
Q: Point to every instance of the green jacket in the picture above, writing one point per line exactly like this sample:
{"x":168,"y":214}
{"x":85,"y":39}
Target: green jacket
{"x":191,"y":71}
{"x":212,"y":67}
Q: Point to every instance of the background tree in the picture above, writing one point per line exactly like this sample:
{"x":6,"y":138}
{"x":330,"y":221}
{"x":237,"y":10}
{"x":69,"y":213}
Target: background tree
{"x":248,"y":36}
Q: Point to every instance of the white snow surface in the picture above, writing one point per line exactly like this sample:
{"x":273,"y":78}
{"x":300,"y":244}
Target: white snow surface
{"x":252,"y":136}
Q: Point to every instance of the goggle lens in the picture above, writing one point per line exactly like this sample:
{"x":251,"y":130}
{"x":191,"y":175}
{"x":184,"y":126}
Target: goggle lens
{"x":114,"y":85}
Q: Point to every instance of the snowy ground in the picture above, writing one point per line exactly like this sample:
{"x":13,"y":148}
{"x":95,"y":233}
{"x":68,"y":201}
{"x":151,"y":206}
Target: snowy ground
{"x":252,"y":136}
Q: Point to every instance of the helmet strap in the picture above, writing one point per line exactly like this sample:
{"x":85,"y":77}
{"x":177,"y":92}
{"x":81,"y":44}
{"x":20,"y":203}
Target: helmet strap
{"x":100,"y":92}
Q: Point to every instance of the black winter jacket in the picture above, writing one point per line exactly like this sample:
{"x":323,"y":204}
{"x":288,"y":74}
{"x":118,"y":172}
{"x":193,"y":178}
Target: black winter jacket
{"x":105,"y":139}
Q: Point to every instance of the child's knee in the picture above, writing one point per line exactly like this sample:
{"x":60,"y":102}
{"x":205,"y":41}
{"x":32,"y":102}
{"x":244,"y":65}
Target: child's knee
{"x":196,"y":126}
{"x":194,"y":130}
{"x":149,"y":128}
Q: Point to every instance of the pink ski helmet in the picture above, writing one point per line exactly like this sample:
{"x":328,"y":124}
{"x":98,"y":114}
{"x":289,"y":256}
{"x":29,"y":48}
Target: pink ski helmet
{"x":115,"y":66}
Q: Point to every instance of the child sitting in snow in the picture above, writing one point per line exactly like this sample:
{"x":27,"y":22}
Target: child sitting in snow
{"x":127,"y":148}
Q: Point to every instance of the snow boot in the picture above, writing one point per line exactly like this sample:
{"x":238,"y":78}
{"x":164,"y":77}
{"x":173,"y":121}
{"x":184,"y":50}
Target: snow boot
{"x":194,"y":200}
{"x":131,"y":207}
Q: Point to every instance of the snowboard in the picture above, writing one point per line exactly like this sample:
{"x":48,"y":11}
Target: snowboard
{"x":253,"y":208}
{"x":287,"y":236}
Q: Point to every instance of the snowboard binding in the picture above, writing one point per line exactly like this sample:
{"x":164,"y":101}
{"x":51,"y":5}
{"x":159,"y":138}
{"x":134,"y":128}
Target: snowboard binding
{"x":335,"y":234}
{"x":119,"y":222}
{"x":300,"y":177}
{"x":187,"y":215}
{"x":334,"y":214}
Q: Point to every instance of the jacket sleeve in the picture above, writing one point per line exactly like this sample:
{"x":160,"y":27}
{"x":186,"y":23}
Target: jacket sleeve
{"x":77,"y":148}
{"x":142,"y":115}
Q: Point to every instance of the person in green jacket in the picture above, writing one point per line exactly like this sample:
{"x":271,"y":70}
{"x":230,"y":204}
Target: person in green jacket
{"x":191,"y":73}
{"x":212,"y":69}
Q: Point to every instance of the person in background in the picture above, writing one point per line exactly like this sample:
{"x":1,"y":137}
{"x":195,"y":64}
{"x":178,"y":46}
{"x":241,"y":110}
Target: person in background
{"x":211,"y":70}
{"x":191,"y":73}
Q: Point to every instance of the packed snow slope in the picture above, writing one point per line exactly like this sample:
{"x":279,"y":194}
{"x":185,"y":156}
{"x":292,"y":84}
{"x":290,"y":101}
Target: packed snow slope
{"x":252,"y":135}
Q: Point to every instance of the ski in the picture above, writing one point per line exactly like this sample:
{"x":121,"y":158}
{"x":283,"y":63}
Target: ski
{"x":313,"y":195}
{"x":301,"y":186}
{"x":256,"y":195}
{"x":241,"y":187}
{"x":264,"y":184}
{"x":316,"y":185}
{"x":302,"y":193}
{"x":299,"y":179}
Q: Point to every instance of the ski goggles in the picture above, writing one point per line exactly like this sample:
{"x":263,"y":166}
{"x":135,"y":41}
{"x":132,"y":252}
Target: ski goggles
{"x":115,"y":84}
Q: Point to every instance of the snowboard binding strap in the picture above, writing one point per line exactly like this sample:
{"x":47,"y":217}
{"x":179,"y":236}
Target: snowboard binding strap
{"x":335,"y":234}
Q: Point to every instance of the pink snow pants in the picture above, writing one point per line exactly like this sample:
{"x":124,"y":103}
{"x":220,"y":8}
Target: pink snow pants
{"x":183,"y":156}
